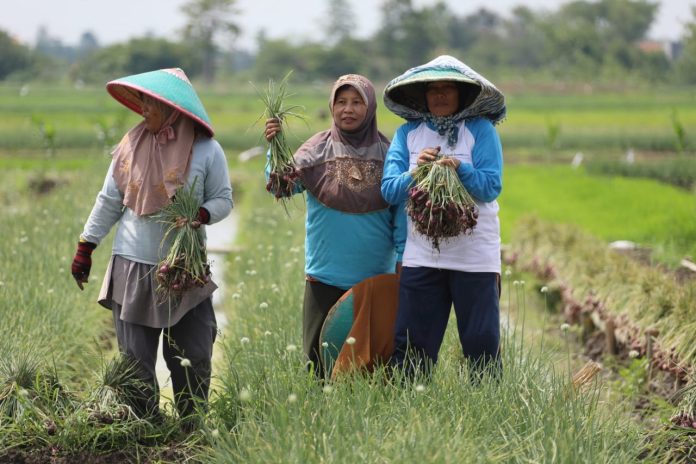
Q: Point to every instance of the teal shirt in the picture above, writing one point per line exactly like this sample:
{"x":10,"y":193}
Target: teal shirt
{"x":342,"y":249}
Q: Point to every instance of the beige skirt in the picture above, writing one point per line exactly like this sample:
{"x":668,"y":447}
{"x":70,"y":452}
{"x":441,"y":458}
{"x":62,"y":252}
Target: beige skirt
{"x":132,"y":285}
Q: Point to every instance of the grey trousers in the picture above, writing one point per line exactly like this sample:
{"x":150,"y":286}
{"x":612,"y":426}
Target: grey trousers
{"x":191,"y":338}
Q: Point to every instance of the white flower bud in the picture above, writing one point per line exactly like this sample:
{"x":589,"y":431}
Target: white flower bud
{"x":244,"y":394}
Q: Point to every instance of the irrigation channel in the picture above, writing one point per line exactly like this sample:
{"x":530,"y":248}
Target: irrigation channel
{"x":220,"y":238}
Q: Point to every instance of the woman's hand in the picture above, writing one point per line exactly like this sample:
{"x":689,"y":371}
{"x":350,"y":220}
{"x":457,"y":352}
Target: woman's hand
{"x":449,"y":161}
{"x":272,"y":128}
{"x":428,"y":155}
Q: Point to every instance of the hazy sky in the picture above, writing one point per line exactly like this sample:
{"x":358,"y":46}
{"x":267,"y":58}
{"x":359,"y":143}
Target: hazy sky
{"x":116,"y":21}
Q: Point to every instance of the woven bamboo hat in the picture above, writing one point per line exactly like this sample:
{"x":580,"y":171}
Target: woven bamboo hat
{"x":405,"y":94}
{"x":410,"y":91}
{"x":170,"y":86}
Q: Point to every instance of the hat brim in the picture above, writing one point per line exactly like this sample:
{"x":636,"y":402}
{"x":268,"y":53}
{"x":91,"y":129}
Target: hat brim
{"x":162,"y":87}
{"x":410,"y":92}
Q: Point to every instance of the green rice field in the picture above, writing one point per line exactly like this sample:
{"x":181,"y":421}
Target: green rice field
{"x":593,"y":120}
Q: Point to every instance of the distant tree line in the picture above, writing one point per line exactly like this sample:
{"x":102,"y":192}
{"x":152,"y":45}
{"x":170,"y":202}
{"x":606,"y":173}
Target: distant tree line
{"x":580,"y":40}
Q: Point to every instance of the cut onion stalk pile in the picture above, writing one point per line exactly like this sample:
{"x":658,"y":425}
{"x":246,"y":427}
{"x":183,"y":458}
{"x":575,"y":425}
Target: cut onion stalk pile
{"x":283,"y":177}
{"x":186,"y":264}
{"x":439,"y":205}
{"x":686,"y":416}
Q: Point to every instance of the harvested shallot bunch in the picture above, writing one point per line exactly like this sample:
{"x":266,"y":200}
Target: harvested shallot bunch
{"x":439,"y":205}
{"x":282,"y":184}
{"x":186,"y":264}
{"x":283,"y":178}
{"x":686,"y":417}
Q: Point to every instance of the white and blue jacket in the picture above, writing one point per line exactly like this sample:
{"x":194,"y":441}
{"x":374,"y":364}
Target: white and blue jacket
{"x":480,"y":153}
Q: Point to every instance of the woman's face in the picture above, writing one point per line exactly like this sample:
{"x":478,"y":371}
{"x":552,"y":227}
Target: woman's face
{"x":153,"y":114}
{"x":349,"y":109}
{"x":442,"y":98}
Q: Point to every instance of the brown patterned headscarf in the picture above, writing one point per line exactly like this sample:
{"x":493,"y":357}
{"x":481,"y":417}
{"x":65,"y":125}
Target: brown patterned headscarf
{"x":148,"y":168}
{"x":343,"y":170}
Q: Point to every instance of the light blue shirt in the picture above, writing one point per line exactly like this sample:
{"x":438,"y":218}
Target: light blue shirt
{"x":138,"y":238}
{"x":342,"y":249}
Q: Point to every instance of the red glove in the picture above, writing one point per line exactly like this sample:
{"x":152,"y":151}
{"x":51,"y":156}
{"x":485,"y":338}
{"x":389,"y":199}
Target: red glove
{"x":203,"y":215}
{"x":82,"y":262}
{"x":202,"y":218}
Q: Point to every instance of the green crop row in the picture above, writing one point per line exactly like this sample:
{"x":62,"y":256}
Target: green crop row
{"x":264,"y":403}
{"x":645,"y":211}
{"x":680,"y":172}
{"x":595,"y":121}
{"x":636,"y":297}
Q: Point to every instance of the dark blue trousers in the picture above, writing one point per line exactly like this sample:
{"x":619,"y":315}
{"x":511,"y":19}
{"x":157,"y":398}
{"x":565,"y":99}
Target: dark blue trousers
{"x":426,"y":296}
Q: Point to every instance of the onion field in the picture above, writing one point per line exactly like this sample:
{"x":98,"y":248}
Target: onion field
{"x":568,"y":301}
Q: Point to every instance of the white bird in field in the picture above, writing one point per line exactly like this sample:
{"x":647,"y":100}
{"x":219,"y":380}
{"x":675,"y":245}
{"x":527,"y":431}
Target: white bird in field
{"x":630,"y":156}
{"x":577,"y":160}
{"x":246,"y":155}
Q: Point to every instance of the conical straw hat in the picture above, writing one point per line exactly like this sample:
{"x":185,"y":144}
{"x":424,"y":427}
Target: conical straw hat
{"x":170,"y":86}
{"x":405,"y":94}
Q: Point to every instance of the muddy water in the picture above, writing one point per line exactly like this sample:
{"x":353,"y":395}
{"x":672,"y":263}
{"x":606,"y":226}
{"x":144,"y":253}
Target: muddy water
{"x":221,"y":236}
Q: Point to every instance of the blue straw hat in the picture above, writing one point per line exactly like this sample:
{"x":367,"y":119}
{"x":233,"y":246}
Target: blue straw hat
{"x":170,"y":86}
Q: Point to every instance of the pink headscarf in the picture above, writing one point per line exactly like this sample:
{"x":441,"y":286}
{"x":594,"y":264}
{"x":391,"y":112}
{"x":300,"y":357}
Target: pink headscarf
{"x":148,"y":168}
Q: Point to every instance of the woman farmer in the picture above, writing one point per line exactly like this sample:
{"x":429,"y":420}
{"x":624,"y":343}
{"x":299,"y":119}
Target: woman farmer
{"x":450,"y":110}
{"x":351,"y":232}
{"x":172,"y":147}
